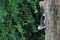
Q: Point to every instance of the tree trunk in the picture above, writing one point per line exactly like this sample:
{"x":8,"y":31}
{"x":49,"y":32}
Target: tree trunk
{"x":52,"y":10}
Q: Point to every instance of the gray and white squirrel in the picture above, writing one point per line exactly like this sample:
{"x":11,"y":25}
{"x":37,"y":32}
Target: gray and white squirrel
{"x":42,"y":21}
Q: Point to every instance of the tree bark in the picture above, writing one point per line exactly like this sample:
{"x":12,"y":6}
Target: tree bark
{"x":52,"y":10}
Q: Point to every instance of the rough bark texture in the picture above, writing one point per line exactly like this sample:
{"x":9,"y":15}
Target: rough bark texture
{"x":52,"y":10}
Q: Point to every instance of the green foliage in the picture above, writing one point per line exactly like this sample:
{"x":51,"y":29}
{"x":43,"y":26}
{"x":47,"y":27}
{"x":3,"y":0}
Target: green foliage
{"x":19,"y":19}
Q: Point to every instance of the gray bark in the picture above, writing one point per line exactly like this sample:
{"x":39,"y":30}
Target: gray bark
{"x":52,"y":10}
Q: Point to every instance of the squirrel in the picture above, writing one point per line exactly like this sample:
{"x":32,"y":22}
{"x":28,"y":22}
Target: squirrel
{"x":42,"y":21}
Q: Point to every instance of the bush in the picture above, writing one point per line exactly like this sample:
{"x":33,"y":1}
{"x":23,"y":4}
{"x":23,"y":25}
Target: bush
{"x":19,"y":20}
